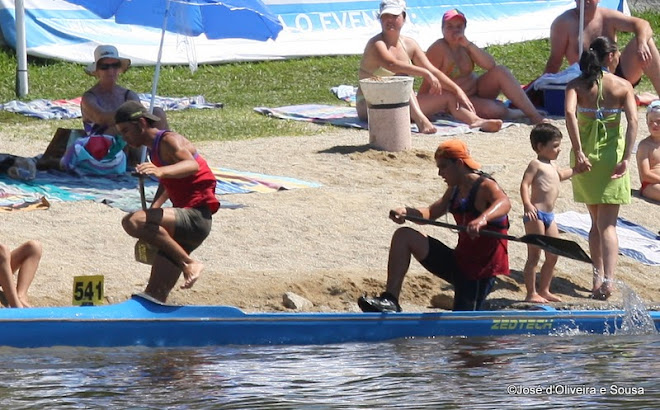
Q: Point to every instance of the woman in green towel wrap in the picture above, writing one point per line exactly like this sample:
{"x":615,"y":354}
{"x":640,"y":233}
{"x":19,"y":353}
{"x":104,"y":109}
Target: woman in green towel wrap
{"x":594,"y":103}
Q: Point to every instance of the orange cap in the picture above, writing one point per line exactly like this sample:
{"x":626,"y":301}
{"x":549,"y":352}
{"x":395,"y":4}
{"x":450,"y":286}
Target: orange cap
{"x":456,"y":149}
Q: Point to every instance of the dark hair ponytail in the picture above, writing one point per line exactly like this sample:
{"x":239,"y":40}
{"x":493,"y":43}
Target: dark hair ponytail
{"x":591,"y":60}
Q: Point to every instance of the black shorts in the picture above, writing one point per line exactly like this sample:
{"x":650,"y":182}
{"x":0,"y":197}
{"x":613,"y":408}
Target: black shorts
{"x":192,"y":226}
{"x":468,"y":294}
{"x":619,"y":73}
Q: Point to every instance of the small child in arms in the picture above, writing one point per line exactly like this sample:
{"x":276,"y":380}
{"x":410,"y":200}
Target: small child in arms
{"x":539,"y":190}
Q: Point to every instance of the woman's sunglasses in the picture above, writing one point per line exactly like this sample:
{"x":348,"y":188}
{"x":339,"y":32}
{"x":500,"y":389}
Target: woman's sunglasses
{"x":108,"y":66}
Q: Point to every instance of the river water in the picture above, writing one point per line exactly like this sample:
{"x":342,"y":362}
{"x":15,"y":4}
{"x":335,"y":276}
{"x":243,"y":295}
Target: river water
{"x":564,"y":371}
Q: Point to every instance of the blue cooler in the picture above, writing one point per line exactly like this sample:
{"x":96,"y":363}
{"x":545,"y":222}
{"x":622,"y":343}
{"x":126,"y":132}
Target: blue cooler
{"x":553,"y":99}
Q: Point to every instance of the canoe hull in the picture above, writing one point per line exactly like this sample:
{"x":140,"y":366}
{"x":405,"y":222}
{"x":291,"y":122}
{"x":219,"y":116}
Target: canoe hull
{"x":140,"y":322}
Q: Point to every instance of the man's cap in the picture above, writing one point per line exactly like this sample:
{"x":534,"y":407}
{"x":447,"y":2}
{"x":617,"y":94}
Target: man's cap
{"x":456,"y":149}
{"x":393,"y":7}
{"x":654,"y":106}
{"x":133,"y":111}
{"x":453,"y":14}
{"x":106,"y":51}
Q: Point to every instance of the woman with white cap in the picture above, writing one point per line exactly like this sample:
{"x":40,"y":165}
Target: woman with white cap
{"x":99,"y":103}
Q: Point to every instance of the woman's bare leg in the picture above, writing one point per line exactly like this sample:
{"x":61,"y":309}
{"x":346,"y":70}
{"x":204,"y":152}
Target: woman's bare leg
{"x":499,"y":79}
{"x":26,"y":259}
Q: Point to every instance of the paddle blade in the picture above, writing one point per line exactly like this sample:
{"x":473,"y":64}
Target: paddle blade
{"x":558,"y":246}
{"x":145,"y":252}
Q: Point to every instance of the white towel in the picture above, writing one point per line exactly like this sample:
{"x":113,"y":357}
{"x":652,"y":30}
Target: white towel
{"x":635,"y":241}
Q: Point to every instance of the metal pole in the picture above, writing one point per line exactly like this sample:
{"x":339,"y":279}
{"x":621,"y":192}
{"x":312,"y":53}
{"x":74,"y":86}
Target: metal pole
{"x":21,"y":50}
{"x":581,"y":30}
{"x":154,"y":82}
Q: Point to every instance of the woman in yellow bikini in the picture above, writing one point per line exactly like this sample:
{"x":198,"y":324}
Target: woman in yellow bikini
{"x":456,"y":56}
{"x":389,"y":53}
{"x":594,"y":103}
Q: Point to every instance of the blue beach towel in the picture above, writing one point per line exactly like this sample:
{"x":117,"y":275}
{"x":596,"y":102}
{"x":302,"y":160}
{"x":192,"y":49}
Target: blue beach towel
{"x":120,"y":191}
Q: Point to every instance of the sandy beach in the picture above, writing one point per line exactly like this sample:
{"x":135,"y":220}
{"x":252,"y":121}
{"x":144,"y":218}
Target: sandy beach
{"x":327,"y":244}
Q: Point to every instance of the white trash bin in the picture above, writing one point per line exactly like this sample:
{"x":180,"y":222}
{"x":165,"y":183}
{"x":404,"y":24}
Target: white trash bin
{"x":388,"y":102}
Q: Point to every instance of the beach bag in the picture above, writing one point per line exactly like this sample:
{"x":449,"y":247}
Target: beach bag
{"x":96,"y":155}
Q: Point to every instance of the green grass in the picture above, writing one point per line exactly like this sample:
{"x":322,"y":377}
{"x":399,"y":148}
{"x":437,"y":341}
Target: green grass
{"x":243,"y":86}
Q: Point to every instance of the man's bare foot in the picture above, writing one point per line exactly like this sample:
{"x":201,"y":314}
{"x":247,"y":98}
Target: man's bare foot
{"x":24,"y":302}
{"x":550,"y":297}
{"x":488,"y":125}
{"x":535,"y":298}
{"x":426,"y":127}
{"x":191,"y":272}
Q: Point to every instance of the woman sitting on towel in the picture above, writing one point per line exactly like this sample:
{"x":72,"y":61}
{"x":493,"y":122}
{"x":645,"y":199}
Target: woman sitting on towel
{"x":456,"y":57}
{"x":594,"y":103}
{"x":389,"y":53}
{"x":100,"y":102}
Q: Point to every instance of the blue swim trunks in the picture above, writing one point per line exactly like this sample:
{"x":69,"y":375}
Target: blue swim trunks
{"x":545,"y":217}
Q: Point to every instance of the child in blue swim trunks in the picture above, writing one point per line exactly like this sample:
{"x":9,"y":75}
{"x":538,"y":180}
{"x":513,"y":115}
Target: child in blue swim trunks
{"x":539,"y":190}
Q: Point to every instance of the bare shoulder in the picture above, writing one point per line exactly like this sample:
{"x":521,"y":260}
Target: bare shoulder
{"x":646,"y":145}
{"x":565,"y":19}
{"x":438,"y":45}
{"x":410,"y":43}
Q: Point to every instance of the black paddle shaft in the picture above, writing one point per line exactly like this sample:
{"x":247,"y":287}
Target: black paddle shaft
{"x":558,"y":246}
{"x":143,"y":198}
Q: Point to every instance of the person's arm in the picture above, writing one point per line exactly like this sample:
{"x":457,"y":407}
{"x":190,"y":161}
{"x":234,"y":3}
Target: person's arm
{"x":644,"y":164}
{"x":160,"y":198}
{"x":529,"y":210}
{"x":558,"y":45}
{"x":174,"y":150}
{"x":497,"y":202}
{"x":566,"y":173}
{"x":479,"y":56}
{"x":433,"y":211}
{"x":570,"y":108}
{"x":629,"y":24}
{"x":630,"y":108}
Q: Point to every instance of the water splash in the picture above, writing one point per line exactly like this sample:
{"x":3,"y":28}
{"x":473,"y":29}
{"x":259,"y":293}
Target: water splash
{"x":636,"y":318}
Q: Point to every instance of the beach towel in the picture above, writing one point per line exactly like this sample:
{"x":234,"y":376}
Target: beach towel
{"x":635,"y":241}
{"x":343,"y":116}
{"x":120,"y":191}
{"x":66,"y":109}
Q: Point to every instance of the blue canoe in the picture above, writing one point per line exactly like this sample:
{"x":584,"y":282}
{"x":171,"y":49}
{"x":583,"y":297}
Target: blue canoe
{"x":141,"y":322}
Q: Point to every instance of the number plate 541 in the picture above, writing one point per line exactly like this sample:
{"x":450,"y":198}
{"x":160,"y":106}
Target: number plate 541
{"x":88,"y":290}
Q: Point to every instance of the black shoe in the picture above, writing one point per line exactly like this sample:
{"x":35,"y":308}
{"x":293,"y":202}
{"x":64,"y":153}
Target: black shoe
{"x":383,"y":303}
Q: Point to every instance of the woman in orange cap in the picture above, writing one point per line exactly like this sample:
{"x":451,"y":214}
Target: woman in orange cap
{"x":477,"y":202}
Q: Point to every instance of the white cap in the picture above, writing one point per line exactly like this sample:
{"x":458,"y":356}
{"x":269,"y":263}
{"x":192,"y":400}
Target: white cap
{"x":107,"y":52}
{"x":393,"y":7}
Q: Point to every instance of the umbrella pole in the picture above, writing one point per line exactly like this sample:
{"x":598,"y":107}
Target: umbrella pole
{"x":580,"y":30}
{"x":154,"y":82}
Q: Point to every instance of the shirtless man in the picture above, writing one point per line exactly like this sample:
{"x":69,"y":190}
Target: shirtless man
{"x":648,"y":155}
{"x":539,"y":190}
{"x":640,"y":56}
{"x":186,"y":180}
{"x":389,"y":53}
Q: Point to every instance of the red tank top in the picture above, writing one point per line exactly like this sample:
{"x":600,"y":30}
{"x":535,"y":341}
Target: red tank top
{"x":193,"y":191}
{"x":483,"y":256}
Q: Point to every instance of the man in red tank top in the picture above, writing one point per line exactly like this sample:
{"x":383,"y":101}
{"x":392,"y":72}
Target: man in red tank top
{"x":476,"y":201}
{"x":186,"y":180}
